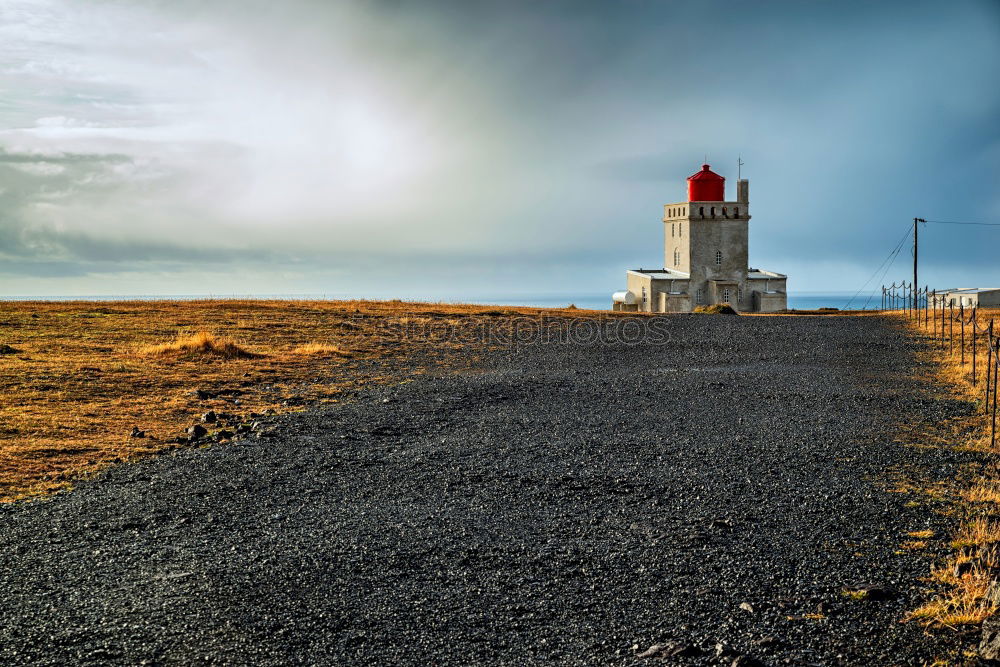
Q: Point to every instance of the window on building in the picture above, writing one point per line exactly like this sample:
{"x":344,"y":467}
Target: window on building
{"x":739,"y":294}
{"x":644,"y":295}
{"x":713,"y":211}
{"x":677,"y":257}
{"x":736,"y":212}
{"x":701,"y":211}
{"x":672,"y":229}
{"x":680,"y":229}
{"x":725,"y":295}
{"x":725,"y":214}
{"x":718,"y":258}
{"x":699,"y":296}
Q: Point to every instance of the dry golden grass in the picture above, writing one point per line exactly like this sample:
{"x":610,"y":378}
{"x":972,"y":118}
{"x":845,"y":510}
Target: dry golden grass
{"x":921,"y":534}
{"x":80,"y":375}
{"x":201,"y":343}
{"x":321,"y":349}
{"x":967,"y":596}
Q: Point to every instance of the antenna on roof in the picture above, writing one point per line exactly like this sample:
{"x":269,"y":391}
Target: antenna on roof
{"x":739,"y":165}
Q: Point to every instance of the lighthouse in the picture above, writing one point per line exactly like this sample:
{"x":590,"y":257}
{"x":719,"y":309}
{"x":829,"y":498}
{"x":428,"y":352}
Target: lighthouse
{"x":705,"y":256}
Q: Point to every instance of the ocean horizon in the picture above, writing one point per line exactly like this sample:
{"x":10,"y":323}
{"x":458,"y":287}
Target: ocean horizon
{"x":796,"y":300}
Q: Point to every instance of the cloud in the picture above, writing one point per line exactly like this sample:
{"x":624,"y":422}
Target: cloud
{"x":385,"y":142}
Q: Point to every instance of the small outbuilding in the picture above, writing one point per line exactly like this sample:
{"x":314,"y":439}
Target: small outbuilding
{"x":970,"y":297}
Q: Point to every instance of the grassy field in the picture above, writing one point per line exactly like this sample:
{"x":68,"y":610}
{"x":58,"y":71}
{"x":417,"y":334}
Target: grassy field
{"x":78,"y":378}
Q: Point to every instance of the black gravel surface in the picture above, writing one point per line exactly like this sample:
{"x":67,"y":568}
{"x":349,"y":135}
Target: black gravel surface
{"x":582,"y":504}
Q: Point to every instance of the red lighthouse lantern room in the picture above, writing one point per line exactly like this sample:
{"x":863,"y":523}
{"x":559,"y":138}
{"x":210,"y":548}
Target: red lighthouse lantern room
{"x":706,"y":185}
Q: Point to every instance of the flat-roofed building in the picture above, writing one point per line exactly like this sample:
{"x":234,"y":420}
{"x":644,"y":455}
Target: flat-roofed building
{"x":969,"y":297}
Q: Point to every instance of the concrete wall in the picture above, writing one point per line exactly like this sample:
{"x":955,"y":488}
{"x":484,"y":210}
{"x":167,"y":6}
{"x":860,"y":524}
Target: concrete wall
{"x":728,"y":237}
{"x":658,"y":298}
{"x":770,"y":302}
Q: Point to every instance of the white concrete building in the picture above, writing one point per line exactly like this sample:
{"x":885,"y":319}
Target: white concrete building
{"x":705,"y":249}
{"x":970,"y":297}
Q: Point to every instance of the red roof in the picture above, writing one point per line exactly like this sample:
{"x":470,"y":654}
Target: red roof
{"x":705,"y":174}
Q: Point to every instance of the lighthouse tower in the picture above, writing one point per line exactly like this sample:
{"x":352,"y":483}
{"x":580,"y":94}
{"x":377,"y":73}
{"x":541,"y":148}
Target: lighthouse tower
{"x":705,"y":256}
{"x":707,"y":238}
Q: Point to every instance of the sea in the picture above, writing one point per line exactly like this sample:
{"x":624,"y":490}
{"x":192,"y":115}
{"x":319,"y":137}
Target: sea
{"x":796,"y":300}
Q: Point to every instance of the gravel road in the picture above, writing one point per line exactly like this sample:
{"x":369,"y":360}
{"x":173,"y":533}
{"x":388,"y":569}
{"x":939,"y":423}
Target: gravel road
{"x":569,"y":503}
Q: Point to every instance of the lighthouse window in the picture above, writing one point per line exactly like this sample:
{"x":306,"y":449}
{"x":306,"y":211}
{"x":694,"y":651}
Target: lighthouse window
{"x":680,"y":229}
{"x":713,"y":211}
{"x":672,"y":229}
{"x":736,"y":212}
{"x":677,"y":257}
{"x":701,"y":211}
{"x":724,"y":213}
{"x":718,"y":258}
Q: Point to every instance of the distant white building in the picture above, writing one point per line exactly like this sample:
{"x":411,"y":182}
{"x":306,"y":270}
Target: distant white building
{"x":706,"y":241}
{"x":970,"y":297}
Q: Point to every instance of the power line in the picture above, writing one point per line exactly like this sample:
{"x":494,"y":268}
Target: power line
{"x":892,"y":259}
{"x":892,"y":256}
{"x":952,"y":222}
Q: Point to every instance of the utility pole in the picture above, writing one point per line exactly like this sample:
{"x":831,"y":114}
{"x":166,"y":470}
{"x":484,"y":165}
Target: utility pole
{"x":915,"y":221}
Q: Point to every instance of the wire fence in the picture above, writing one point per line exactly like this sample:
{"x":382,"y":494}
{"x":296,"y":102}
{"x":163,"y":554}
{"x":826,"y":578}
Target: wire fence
{"x":964,"y":332}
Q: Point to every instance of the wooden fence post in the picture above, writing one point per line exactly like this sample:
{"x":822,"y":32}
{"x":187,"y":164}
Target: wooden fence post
{"x":961,"y":315}
{"x":975,"y":325}
{"x":951,"y":328}
{"x":934,"y":318}
{"x":993,"y":422}
{"x":989,"y":363}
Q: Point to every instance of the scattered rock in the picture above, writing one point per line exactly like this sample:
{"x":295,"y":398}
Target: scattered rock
{"x":223,"y":435}
{"x":989,"y":644}
{"x":877,"y":593}
{"x":7,"y":349}
{"x":654,"y":651}
{"x":962,"y":568}
{"x":136,"y":433}
{"x":197,"y":431}
{"x":765,"y":641}
{"x":204,"y":395}
{"x":209,"y":417}
{"x":747,"y":607}
{"x":674,"y":650}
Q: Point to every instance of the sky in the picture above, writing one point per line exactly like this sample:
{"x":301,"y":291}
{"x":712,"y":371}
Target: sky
{"x":471,"y":149}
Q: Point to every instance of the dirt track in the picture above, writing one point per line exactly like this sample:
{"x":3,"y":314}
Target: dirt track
{"x":576,"y":503}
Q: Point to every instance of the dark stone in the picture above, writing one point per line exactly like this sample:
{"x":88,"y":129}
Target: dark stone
{"x":745,"y":661}
{"x":136,"y":433}
{"x":209,"y":417}
{"x":197,"y":431}
{"x":223,"y":435}
{"x":7,"y":349}
{"x":879,"y":594}
{"x":989,"y":643}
